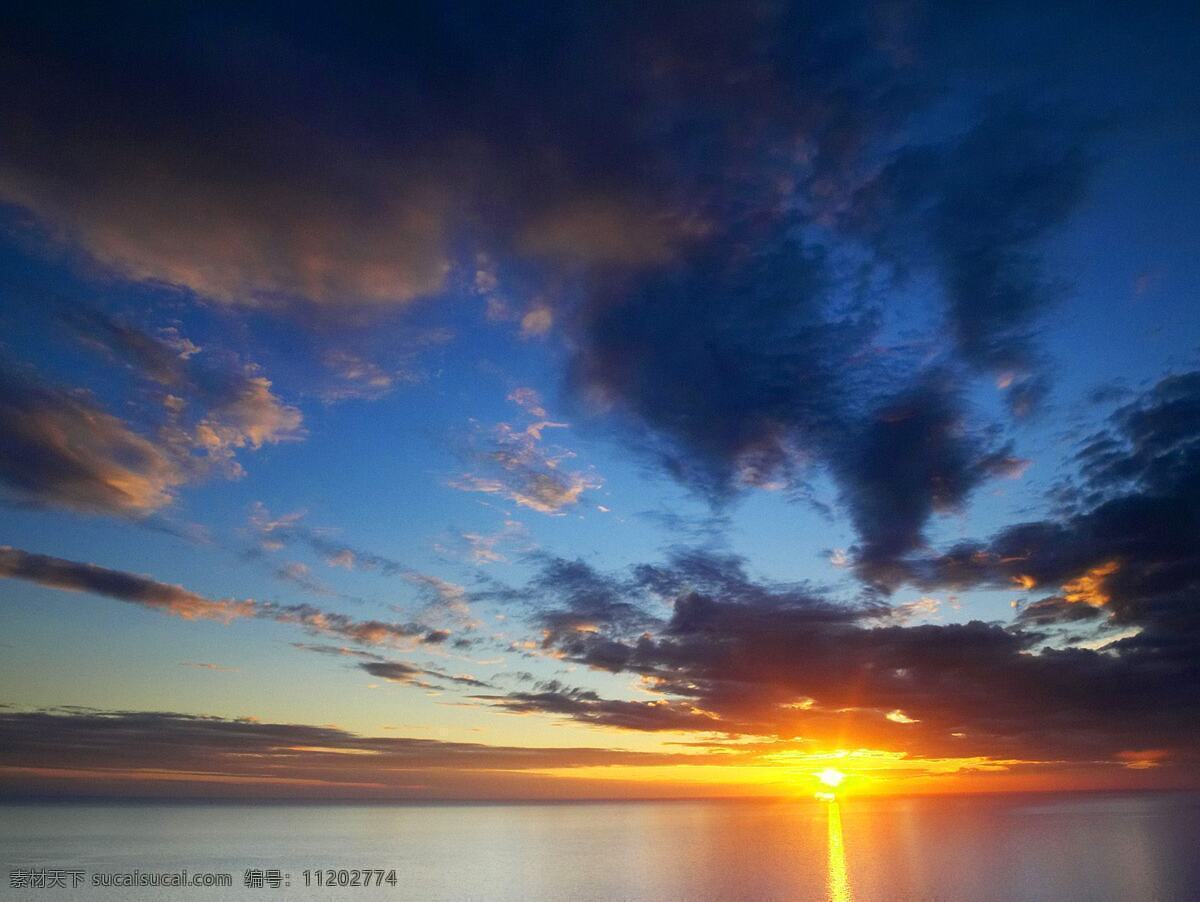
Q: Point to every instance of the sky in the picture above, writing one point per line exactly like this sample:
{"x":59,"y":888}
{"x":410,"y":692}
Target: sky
{"x":585,"y":401}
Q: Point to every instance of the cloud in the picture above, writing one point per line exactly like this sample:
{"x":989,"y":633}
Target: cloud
{"x":913,"y":458}
{"x":729,"y":371}
{"x":922,"y":607}
{"x":443,"y":600}
{"x":442,"y":597}
{"x":599,"y":230}
{"x":75,"y":577}
{"x":358,"y":378}
{"x":161,"y":754}
{"x":586,"y":706}
{"x":332,"y":623}
{"x":536,"y":321}
{"x":263,"y":173}
{"x":1124,"y":550}
{"x":1054,"y":610}
{"x":213,"y":406}
{"x":274,"y":532}
{"x":297,"y":574}
{"x":980,"y":206}
{"x":710,"y":240}
{"x":529,"y":400}
{"x":251,"y":209}
{"x":249,"y":418}
{"x":398,"y":672}
{"x":735,"y":655}
{"x":192,"y":415}
{"x":248,"y":176}
{"x":490,"y":548}
{"x":340,"y":650}
{"x":63,"y":450}
{"x":724,"y":363}
{"x":574,"y":599}
{"x":207,"y":665}
{"x":517,"y":464}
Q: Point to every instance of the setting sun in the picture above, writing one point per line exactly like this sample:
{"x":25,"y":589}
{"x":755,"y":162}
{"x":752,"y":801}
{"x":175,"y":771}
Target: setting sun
{"x":831,"y":777}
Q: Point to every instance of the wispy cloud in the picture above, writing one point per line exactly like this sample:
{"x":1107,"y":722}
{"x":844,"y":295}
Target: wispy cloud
{"x":208,"y":665}
{"x":516,"y":463}
{"x":73,"y":576}
{"x":274,"y":532}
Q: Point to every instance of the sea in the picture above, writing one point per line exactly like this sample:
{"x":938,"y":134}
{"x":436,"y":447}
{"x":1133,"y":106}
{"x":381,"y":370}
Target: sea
{"x":1094,"y":847}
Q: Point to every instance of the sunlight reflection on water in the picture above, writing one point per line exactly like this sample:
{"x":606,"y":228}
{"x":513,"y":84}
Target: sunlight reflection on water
{"x":838,"y":880}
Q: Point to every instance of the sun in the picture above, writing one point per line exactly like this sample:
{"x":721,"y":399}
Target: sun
{"x":831,"y":777}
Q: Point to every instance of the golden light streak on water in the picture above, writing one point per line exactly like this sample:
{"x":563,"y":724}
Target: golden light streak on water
{"x":837,"y":880}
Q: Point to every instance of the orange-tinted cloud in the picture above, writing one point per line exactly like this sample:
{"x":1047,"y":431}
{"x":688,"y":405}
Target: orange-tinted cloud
{"x":604,"y":230}
{"x":76,"y":577}
{"x":339,"y":229}
{"x":517,"y":464}
{"x":62,"y":448}
{"x":1090,"y":587}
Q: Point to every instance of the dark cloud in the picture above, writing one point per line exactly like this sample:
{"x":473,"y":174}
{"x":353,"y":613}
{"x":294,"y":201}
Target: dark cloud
{"x":746,"y":657}
{"x":157,"y":179}
{"x":751,"y":358}
{"x":141,"y":590}
{"x":732,"y":371}
{"x":1056,"y":610}
{"x":399,"y":672}
{"x":1127,"y":543}
{"x":248,"y":175}
{"x":574,"y":598}
{"x":726,"y":362}
{"x":73,"y":751}
{"x":74,"y":576}
{"x":914,"y":457}
{"x":602,"y":617}
{"x":63,"y":449}
{"x":978,"y":207}
{"x":339,"y":650}
{"x":586,"y":706}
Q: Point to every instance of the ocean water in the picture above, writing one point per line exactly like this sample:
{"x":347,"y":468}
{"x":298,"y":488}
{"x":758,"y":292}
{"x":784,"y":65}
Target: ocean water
{"x":1003,"y":848}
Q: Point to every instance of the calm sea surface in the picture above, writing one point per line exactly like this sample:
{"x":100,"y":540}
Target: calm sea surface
{"x":1086,"y":847}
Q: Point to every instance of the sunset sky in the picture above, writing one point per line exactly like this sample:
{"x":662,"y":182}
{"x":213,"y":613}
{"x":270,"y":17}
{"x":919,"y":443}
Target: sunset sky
{"x":568,"y":400}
